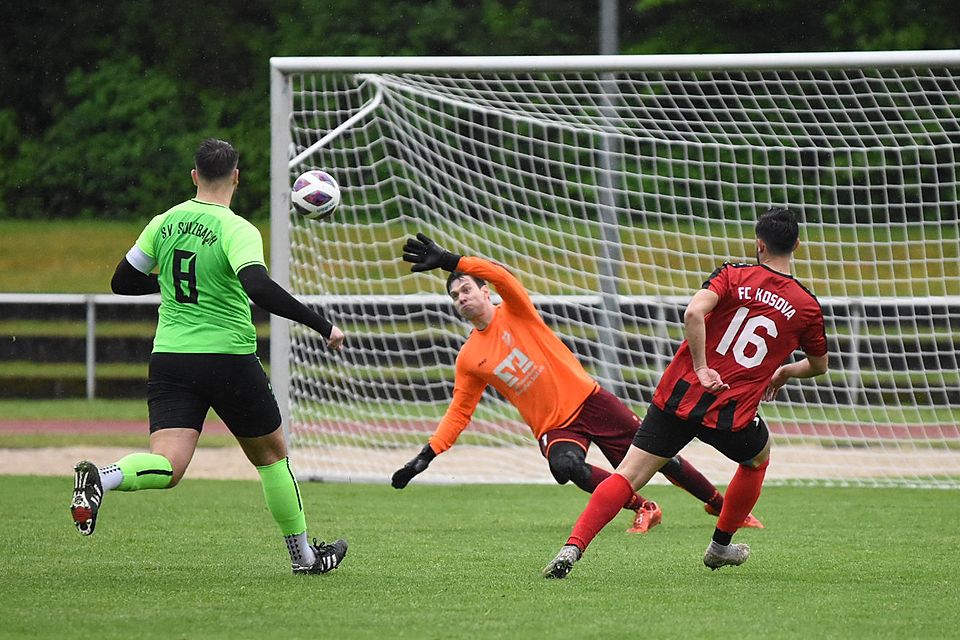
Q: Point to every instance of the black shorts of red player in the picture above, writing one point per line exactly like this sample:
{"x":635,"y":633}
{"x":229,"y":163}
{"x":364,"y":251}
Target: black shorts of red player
{"x":664,"y":434}
{"x":183,"y":387}
{"x":604,"y":421}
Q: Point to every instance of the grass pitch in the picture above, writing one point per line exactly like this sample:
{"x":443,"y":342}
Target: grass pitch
{"x":205,"y":561}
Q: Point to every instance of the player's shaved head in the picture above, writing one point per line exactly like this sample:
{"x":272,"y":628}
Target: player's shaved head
{"x":779,"y":230}
{"x":216,"y":159}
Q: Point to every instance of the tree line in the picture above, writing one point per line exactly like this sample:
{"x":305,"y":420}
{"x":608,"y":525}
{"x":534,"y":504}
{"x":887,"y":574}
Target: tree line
{"x":102,"y":104}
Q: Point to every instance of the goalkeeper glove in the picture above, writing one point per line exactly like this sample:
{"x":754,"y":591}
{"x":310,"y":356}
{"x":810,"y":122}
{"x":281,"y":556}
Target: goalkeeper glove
{"x":403,"y":475}
{"x":425,"y":254}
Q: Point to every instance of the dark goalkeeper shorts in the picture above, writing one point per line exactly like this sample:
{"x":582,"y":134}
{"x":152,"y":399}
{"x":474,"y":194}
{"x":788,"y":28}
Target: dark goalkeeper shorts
{"x":664,"y":434}
{"x":183,"y":387}
{"x":603,"y":420}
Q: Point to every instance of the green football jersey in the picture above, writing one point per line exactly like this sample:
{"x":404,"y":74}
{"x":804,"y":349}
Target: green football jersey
{"x":199,"y":247}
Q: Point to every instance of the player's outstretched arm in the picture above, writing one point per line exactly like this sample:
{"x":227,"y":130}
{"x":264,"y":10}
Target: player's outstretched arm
{"x":403,"y":475}
{"x":129,"y":281}
{"x":269,"y":295}
{"x":425,"y":254}
{"x":467,"y":390}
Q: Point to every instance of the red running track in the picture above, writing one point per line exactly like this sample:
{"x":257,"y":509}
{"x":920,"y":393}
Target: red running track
{"x":809,"y":430}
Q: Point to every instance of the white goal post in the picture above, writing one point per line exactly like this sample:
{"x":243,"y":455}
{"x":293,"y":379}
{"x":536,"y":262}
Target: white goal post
{"x":612,"y":186}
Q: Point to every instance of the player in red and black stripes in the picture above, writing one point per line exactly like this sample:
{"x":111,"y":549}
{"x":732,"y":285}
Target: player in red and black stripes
{"x":740,"y":328}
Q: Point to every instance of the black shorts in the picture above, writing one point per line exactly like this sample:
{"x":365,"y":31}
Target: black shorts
{"x":182,"y":387}
{"x":664,"y":434}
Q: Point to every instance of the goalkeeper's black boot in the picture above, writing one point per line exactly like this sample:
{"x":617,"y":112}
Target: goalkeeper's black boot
{"x":562,"y":564}
{"x":87,"y":494}
{"x":329,"y":557}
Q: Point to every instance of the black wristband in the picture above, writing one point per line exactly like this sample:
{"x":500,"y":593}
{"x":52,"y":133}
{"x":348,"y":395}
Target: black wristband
{"x":427,"y":453}
{"x":449,"y":261}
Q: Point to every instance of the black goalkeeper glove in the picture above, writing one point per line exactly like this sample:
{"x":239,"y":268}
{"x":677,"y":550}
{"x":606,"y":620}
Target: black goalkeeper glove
{"x":425,"y":254}
{"x":403,"y":475}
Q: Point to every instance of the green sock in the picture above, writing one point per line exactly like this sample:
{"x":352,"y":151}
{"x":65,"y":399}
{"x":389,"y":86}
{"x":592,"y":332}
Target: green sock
{"x":283,"y":497}
{"x":144,"y":471}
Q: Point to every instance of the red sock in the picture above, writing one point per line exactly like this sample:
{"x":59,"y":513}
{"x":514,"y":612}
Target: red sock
{"x":741,"y":497}
{"x":605,"y":503}
{"x":598,"y":475}
{"x":688,"y":477}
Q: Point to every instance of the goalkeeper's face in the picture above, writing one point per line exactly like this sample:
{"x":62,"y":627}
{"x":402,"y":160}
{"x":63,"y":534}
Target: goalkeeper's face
{"x":470,"y":300}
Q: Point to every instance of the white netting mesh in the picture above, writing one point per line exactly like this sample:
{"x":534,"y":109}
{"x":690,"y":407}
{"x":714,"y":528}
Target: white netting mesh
{"x":612,"y":197}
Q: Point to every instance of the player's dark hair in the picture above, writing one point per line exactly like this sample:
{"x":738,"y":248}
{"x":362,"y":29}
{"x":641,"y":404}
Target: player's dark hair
{"x":216,"y":159}
{"x":778,"y":228}
{"x":456,"y":275}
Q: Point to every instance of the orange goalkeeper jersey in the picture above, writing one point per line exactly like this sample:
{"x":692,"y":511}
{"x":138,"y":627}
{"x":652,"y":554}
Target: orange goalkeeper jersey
{"x":521,"y":357}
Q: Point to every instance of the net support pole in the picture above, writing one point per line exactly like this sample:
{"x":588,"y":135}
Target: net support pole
{"x":662,"y":333}
{"x":610,"y":322}
{"x":281,"y":106}
{"x":609,"y":27}
{"x":368,"y":108}
{"x":91,"y":362}
{"x":858,"y":323}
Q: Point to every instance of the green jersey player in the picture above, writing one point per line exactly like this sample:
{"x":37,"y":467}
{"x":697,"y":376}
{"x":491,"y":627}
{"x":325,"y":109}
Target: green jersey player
{"x":207,"y":264}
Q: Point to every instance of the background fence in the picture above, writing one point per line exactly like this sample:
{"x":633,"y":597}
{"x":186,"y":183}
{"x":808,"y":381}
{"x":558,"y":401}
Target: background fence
{"x":882,"y":349}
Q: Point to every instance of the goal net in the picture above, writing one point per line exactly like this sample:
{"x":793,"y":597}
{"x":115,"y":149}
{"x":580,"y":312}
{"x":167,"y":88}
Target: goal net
{"x":613,"y":186}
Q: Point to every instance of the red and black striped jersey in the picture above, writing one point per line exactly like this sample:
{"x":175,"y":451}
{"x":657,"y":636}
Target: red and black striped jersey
{"x":761,"y":318}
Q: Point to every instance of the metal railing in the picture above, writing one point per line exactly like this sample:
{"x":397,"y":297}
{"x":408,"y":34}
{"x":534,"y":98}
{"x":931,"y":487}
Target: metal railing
{"x":852,"y":313}
{"x":90,"y":303}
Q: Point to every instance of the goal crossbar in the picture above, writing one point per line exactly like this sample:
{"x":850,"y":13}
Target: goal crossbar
{"x":613,"y":63}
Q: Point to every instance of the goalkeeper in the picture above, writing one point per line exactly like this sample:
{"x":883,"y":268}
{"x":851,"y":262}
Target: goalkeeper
{"x":512,"y":349}
{"x":210,"y":261}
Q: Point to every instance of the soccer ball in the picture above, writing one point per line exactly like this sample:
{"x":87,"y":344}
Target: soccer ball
{"x":315,"y":194}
